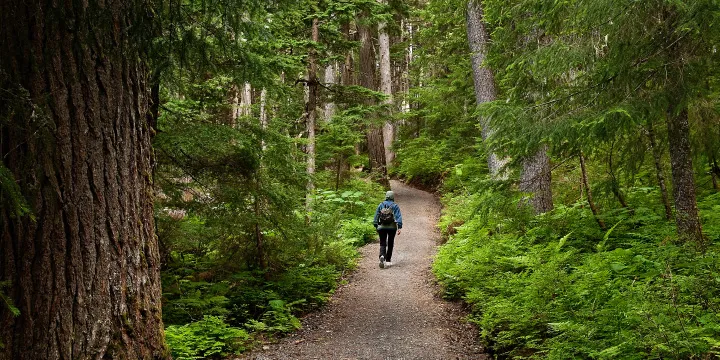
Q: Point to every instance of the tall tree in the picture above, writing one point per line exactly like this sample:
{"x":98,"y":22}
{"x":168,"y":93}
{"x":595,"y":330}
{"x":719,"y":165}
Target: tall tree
{"x":485,"y":91}
{"x":375,"y":142}
{"x":678,"y":54}
{"x":76,"y":136}
{"x":386,"y":86}
{"x":311,"y":106}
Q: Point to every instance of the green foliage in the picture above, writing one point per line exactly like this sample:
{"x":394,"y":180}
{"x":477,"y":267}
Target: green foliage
{"x":547,"y":287}
{"x":11,"y":195}
{"x":6,"y":300}
{"x":210,"y":337}
{"x":187,"y":300}
{"x":422,"y":161}
{"x":278,"y":318}
{"x":357,"y":232}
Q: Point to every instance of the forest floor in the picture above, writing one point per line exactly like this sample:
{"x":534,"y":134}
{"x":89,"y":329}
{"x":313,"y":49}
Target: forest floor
{"x":392,"y":313}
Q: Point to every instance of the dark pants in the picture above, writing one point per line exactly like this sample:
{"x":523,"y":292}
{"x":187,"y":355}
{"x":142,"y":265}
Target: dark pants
{"x":387,"y":239}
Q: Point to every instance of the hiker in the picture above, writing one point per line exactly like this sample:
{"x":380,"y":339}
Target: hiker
{"x":387,"y":222}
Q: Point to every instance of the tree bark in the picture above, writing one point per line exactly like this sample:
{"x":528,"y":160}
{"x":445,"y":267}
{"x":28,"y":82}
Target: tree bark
{"x":660,"y":173}
{"x":536,"y":179}
{"x":485,"y":91}
{"x":330,"y":81}
{"x":85,"y":272}
{"x":263,"y":109}
{"x":586,"y":184}
{"x":246,"y":100}
{"x":405,"y":107}
{"x":386,"y":88}
{"x":687,"y":216}
{"x":375,"y":143}
{"x":234,"y":106}
{"x":311,"y":111}
{"x":347,"y":73}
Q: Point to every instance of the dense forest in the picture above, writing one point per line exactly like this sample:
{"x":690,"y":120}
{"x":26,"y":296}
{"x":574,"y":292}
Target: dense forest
{"x":185,"y":179}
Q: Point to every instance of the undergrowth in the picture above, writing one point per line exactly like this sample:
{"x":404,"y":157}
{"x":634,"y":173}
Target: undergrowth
{"x":557,"y":286}
{"x":217,"y":300}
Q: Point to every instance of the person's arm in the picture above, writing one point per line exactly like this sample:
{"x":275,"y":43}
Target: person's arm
{"x":398,"y":217}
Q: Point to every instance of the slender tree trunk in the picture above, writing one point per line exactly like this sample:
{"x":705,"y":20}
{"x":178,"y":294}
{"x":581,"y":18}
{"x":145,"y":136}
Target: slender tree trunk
{"x":586,"y":184}
{"x":715,"y":173}
{"x":330,"y":81}
{"x":263,"y":109}
{"x":85,"y":271}
{"x":614,"y":183}
{"x":234,"y":106}
{"x":536,"y":179}
{"x":408,"y":60}
{"x":657,"y":159}
{"x":311,"y":111}
{"x":386,"y":88}
{"x":375,"y":143}
{"x":478,"y":40}
{"x":246,"y":100}
{"x":263,"y":114}
{"x":687,"y":216}
{"x":338,"y":171}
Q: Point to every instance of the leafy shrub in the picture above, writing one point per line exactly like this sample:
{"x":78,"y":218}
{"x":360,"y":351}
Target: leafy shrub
{"x":357,"y":232}
{"x":421,"y":160}
{"x":210,"y":337}
{"x":278,"y":318}
{"x":311,"y":285}
{"x":187,"y":300}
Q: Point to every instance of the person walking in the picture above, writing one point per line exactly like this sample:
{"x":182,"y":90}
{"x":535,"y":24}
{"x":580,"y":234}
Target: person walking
{"x":388,"y":223}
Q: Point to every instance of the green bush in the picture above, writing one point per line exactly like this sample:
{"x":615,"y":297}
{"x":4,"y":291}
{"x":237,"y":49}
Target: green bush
{"x":278,"y":318}
{"x":210,"y":337}
{"x":357,"y":232}
{"x":421,"y":160}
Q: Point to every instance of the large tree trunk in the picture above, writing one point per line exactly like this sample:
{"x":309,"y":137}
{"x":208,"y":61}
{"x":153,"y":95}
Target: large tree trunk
{"x":478,"y":40}
{"x":85,"y":271}
{"x":386,"y":88}
{"x":687,"y":216}
{"x":347,"y":73}
{"x":536,"y":179}
{"x":375,"y":143}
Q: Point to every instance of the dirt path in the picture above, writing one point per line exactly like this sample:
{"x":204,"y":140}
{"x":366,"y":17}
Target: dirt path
{"x":390,"y":313}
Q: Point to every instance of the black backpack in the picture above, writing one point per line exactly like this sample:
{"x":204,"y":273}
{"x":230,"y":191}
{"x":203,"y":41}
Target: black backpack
{"x":387,"y":216}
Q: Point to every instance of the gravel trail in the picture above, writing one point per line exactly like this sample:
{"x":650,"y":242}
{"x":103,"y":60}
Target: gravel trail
{"x":391,"y":313}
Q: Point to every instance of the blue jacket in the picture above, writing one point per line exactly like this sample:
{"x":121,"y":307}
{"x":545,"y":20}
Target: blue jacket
{"x":396,"y":211}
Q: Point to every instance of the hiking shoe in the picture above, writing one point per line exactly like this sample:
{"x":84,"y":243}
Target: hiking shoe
{"x":382,"y":261}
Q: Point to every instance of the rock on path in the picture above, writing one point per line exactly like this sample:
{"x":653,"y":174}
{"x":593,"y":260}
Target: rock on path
{"x":390,"y":313}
